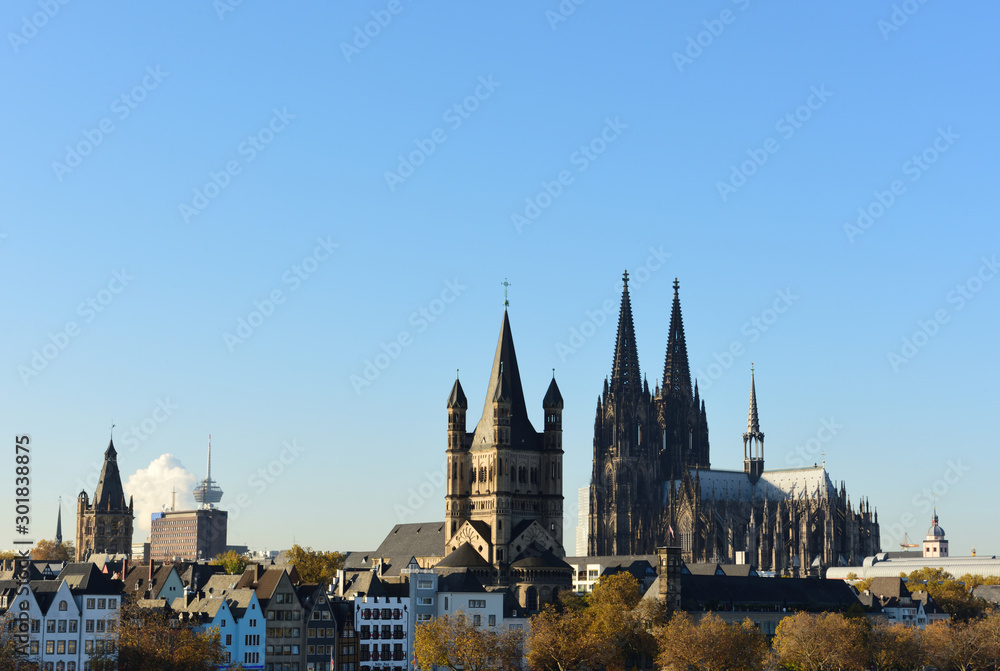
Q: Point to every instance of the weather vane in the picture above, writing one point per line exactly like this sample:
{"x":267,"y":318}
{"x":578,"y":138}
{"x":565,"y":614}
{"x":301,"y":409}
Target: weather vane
{"x":506,"y":285}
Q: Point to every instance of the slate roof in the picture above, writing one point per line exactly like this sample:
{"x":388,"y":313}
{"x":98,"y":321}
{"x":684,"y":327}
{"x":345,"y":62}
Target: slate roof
{"x":239,"y":600}
{"x":45,"y":592}
{"x":553,"y":399}
{"x":505,"y":382}
{"x":109,"y":495}
{"x":791,"y":483}
{"x":457,"y":398}
{"x":460,"y":581}
{"x":463,"y":557}
{"x":545,"y":560}
{"x":791,"y":593}
{"x":885,"y":587}
{"x":420,"y":539}
{"x":86,"y":577}
{"x":137,"y":580}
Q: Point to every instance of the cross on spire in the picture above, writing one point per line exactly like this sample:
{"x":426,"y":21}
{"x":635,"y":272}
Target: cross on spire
{"x":506,"y":285}
{"x":626,"y":278}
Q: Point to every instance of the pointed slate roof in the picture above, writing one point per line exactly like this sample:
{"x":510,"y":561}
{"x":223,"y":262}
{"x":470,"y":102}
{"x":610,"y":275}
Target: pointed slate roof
{"x":553,"y":399}
{"x":464,"y":557}
{"x":505,"y":384}
{"x":457,"y":398}
{"x":676,"y":373}
{"x":110,"y":496}
{"x":625,"y":377}
{"x":753,"y":423}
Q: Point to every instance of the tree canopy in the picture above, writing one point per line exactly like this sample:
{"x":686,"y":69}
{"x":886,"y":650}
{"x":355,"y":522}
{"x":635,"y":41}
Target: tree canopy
{"x":315,"y":565}
{"x":451,"y":642}
{"x":148,"y":641}
{"x":232,"y":562}
{"x":53,"y":551}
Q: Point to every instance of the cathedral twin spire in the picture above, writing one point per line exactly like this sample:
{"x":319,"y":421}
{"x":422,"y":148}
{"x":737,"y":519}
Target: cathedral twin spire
{"x":625,"y":376}
{"x":676,"y":372}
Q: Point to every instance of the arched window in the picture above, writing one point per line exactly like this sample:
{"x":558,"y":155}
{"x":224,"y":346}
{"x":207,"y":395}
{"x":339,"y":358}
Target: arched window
{"x":62,"y":605}
{"x":531,"y":599}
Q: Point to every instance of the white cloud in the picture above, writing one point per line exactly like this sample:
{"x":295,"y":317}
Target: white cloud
{"x":152,"y":489}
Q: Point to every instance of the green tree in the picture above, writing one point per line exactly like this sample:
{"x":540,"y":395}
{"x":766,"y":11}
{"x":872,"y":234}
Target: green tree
{"x":450,"y":642}
{"x":315,"y":565}
{"x":146,"y":640}
{"x":53,"y":551}
{"x":232,"y":562}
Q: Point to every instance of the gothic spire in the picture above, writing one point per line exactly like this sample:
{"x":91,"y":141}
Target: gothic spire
{"x":625,"y":377}
{"x":676,"y":373}
{"x":59,"y":523}
{"x":109,"y":494}
{"x":505,"y":386}
{"x":457,"y":398}
{"x":753,"y":423}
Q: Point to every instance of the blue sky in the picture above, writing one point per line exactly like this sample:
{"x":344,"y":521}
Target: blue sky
{"x":171,"y":170}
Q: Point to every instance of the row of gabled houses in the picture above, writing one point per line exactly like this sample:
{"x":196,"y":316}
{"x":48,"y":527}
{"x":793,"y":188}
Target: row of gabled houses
{"x":267,"y":618}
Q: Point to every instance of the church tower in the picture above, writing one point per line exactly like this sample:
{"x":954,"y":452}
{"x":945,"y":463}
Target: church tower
{"x":624,"y":507}
{"x":681,"y":414}
{"x":504,"y":495}
{"x":753,"y":439}
{"x":104,"y":526}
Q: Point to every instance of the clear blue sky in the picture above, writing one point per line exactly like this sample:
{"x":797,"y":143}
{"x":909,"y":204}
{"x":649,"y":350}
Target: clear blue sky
{"x":662,"y":130}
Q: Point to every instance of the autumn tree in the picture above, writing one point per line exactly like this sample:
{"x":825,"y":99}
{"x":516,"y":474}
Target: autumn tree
{"x":8,"y":555}
{"x":146,"y":640}
{"x":616,"y":620}
{"x":53,"y":551}
{"x":232,"y":562}
{"x":954,"y":597}
{"x":610,"y":629}
{"x":12,"y":652}
{"x":563,"y":641}
{"x":820,"y":642}
{"x":710,"y":644}
{"x":451,"y":642}
{"x":315,"y":565}
{"x":893,"y":646}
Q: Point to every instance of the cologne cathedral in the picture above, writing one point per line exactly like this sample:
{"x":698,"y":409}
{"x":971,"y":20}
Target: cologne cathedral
{"x":653,"y":485}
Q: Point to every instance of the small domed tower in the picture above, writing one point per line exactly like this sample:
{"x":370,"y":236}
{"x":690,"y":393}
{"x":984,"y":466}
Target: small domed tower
{"x":935,"y":544}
